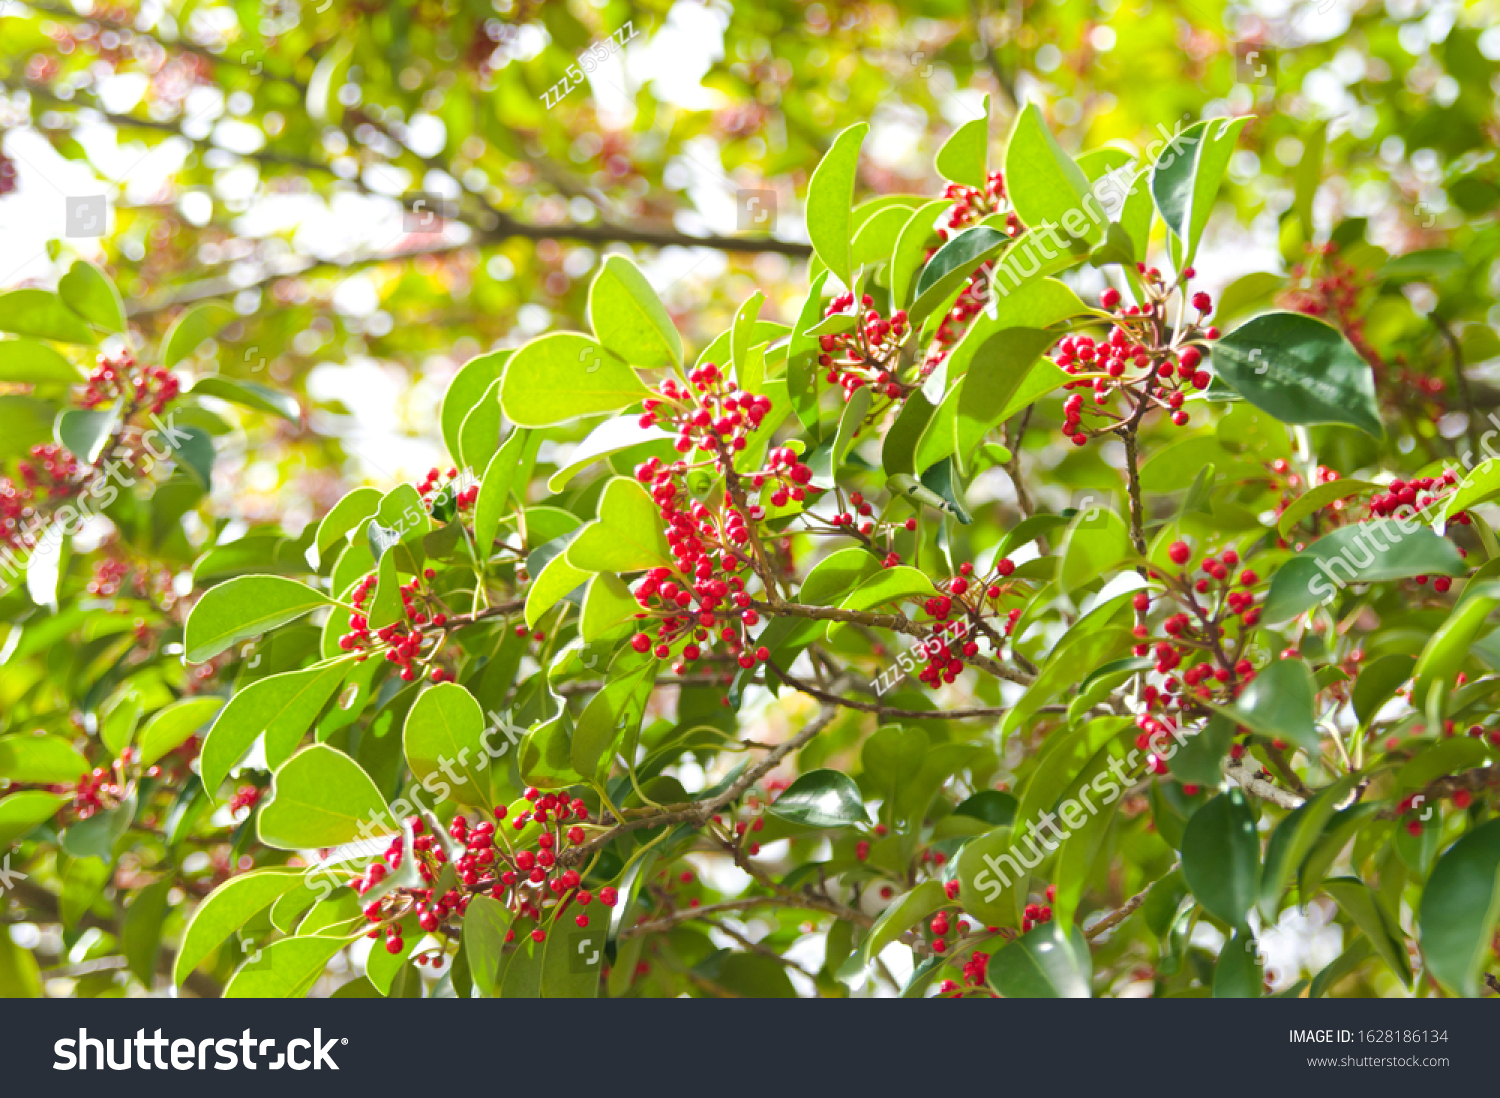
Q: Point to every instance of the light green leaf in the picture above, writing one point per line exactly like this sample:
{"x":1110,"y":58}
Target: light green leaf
{"x":284,"y":969}
{"x":41,"y":315}
{"x":46,"y":760}
{"x":170,"y":727}
{"x":1043,"y":182}
{"x":564,"y":375}
{"x":629,"y":318}
{"x":627,"y":537}
{"x":244,"y":607}
{"x":446,"y":726}
{"x":830,"y":202}
{"x":88,"y":292}
{"x":194,"y":327}
{"x":963,"y":156}
{"x":229,"y":907}
{"x":280,"y":707}
{"x":320,"y":797}
{"x":27,"y":362}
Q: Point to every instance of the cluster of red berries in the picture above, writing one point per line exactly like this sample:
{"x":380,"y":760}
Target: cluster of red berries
{"x":431,"y":489}
{"x":869,"y":353}
{"x":1136,"y":360}
{"x":1203,"y":660}
{"x":712,"y":416}
{"x":52,"y":474}
{"x":858,"y":520}
{"x":403,"y":641}
{"x":245,"y":797}
{"x":959,"y":611}
{"x":1037,"y":914}
{"x":150,"y":387}
{"x":972,"y":205}
{"x":108,"y":575}
{"x":529,"y":881}
{"x":1461,"y":799}
{"x":99,"y":789}
{"x":702,"y":598}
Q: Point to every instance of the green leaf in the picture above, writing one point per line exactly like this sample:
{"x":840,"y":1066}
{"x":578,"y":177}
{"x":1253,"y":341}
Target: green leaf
{"x":47,"y":760}
{"x":41,"y":315}
{"x":284,"y":969}
{"x":1459,"y":910}
{"x":629,"y":318}
{"x":444,"y":735}
{"x":479,"y":435}
{"x":837,"y":574}
{"x":245,"y":607}
{"x":229,"y":907}
{"x":88,"y":292}
{"x":1378,"y":682}
{"x":830,"y":202}
{"x":627,"y":537}
{"x":27,"y":362}
{"x":612,"y":713}
{"x":911,"y":248}
{"x":564,"y":375}
{"x":1278,"y":703}
{"x":606,"y":604}
{"x":741,"y":337}
{"x":1299,"y":370}
{"x":1315,"y":499}
{"x":821,"y":798}
{"x":1047,"y":962}
{"x":20,"y":977}
{"x":1043,"y":182}
{"x":1221,"y":857}
{"x":1198,"y":760}
{"x":486,"y":922}
{"x":465,"y":391}
{"x":1366,"y":552}
{"x":964,"y":155}
{"x":952,"y":265}
{"x":1237,"y":975}
{"x":609,"y":438}
{"x":572,"y":959}
{"x":891,"y":585}
{"x":1293,"y":840}
{"x":1448,"y":648}
{"x":194,"y":327}
{"x":1186,"y":177}
{"x":503,"y":481}
{"x":86,"y":433}
{"x":250,"y":394}
{"x":21,"y":812}
{"x":877,"y":237}
{"x":556,"y":580}
{"x":280,"y":707}
{"x":170,"y":727}
{"x":140,"y":938}
{"x":1358,"y":901}
{"x":1098,"y":544}
{"x":345,"y":516}
{"x":904,"y":912}
{"x":319,"y":798}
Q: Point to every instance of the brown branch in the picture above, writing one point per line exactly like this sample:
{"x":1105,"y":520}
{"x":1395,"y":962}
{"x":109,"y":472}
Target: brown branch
{"x":1128,"y":908}
{"x":896,"y":623}
{"x":699,"y":813}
